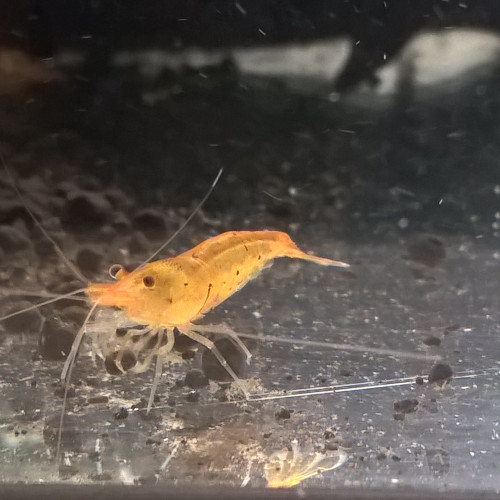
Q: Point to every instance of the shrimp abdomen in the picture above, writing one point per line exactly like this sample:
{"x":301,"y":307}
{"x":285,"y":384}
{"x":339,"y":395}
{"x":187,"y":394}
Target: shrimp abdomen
{"x":228,"y":261}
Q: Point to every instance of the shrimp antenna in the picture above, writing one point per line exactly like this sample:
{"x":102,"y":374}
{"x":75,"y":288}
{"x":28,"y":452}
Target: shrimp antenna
{"x":66,"y":374}
{"x":32,"y":293}
{"x":57,"y":248}
{"x":44,"y":303}
{"x":186,"y":222}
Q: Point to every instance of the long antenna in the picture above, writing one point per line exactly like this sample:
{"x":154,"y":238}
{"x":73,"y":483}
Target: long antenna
{"x":186,"y":222}
{"x":66,"y":374}
{"x":44,"y":303}
{"x":57,"y":248}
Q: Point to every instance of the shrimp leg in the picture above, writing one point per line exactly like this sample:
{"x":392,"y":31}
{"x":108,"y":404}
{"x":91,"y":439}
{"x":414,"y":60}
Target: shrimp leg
{"x":156,"y":380}
{"x":225,"y":330}
{"x":159,"y":365}
{"x":197,"y":337}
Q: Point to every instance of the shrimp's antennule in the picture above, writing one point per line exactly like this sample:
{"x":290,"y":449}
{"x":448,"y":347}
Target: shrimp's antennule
{"x":44,"y":303}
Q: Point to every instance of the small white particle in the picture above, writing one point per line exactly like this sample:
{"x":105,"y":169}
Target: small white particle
{"x":240,"y":8}
{"x":403,"y":223}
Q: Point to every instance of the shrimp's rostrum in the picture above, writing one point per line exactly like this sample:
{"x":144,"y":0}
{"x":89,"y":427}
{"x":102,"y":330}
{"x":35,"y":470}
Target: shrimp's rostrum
{"x":178,"y":290}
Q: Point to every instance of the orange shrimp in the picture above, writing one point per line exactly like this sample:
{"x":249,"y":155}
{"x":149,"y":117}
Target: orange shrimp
{"x":179,"y":290}
{"x":169,"y":295}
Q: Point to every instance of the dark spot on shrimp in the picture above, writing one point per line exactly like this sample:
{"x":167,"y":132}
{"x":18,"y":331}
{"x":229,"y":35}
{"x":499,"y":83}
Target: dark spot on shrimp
{"x":149,"y":281}
{"x":237,"y":272}
{"x":121,"y":332}
{"x":128,"y":361}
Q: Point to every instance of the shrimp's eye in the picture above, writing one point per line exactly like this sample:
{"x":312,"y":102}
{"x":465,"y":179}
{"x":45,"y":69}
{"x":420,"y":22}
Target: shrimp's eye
{"x":149,"y":281}
{"x":114,"y":270}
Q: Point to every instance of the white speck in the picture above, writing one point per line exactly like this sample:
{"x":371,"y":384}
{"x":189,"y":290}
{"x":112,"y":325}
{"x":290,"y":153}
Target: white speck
{"x":496,"y":189}
{"x":240,"y":8}
{"x":403,"y":223}
{"x":394,"y":480}
{"x":333,"y":96}
{"x":467,"y":330}
{"x":256,"y":314}
{"x":472,"y":454}
{"x":262,"y":32}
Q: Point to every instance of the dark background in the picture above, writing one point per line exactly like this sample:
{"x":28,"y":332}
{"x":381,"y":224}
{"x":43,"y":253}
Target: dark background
{"x":379,"y":27}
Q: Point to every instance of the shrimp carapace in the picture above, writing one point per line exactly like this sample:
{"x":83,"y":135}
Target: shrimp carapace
{"x":178,"y":290}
